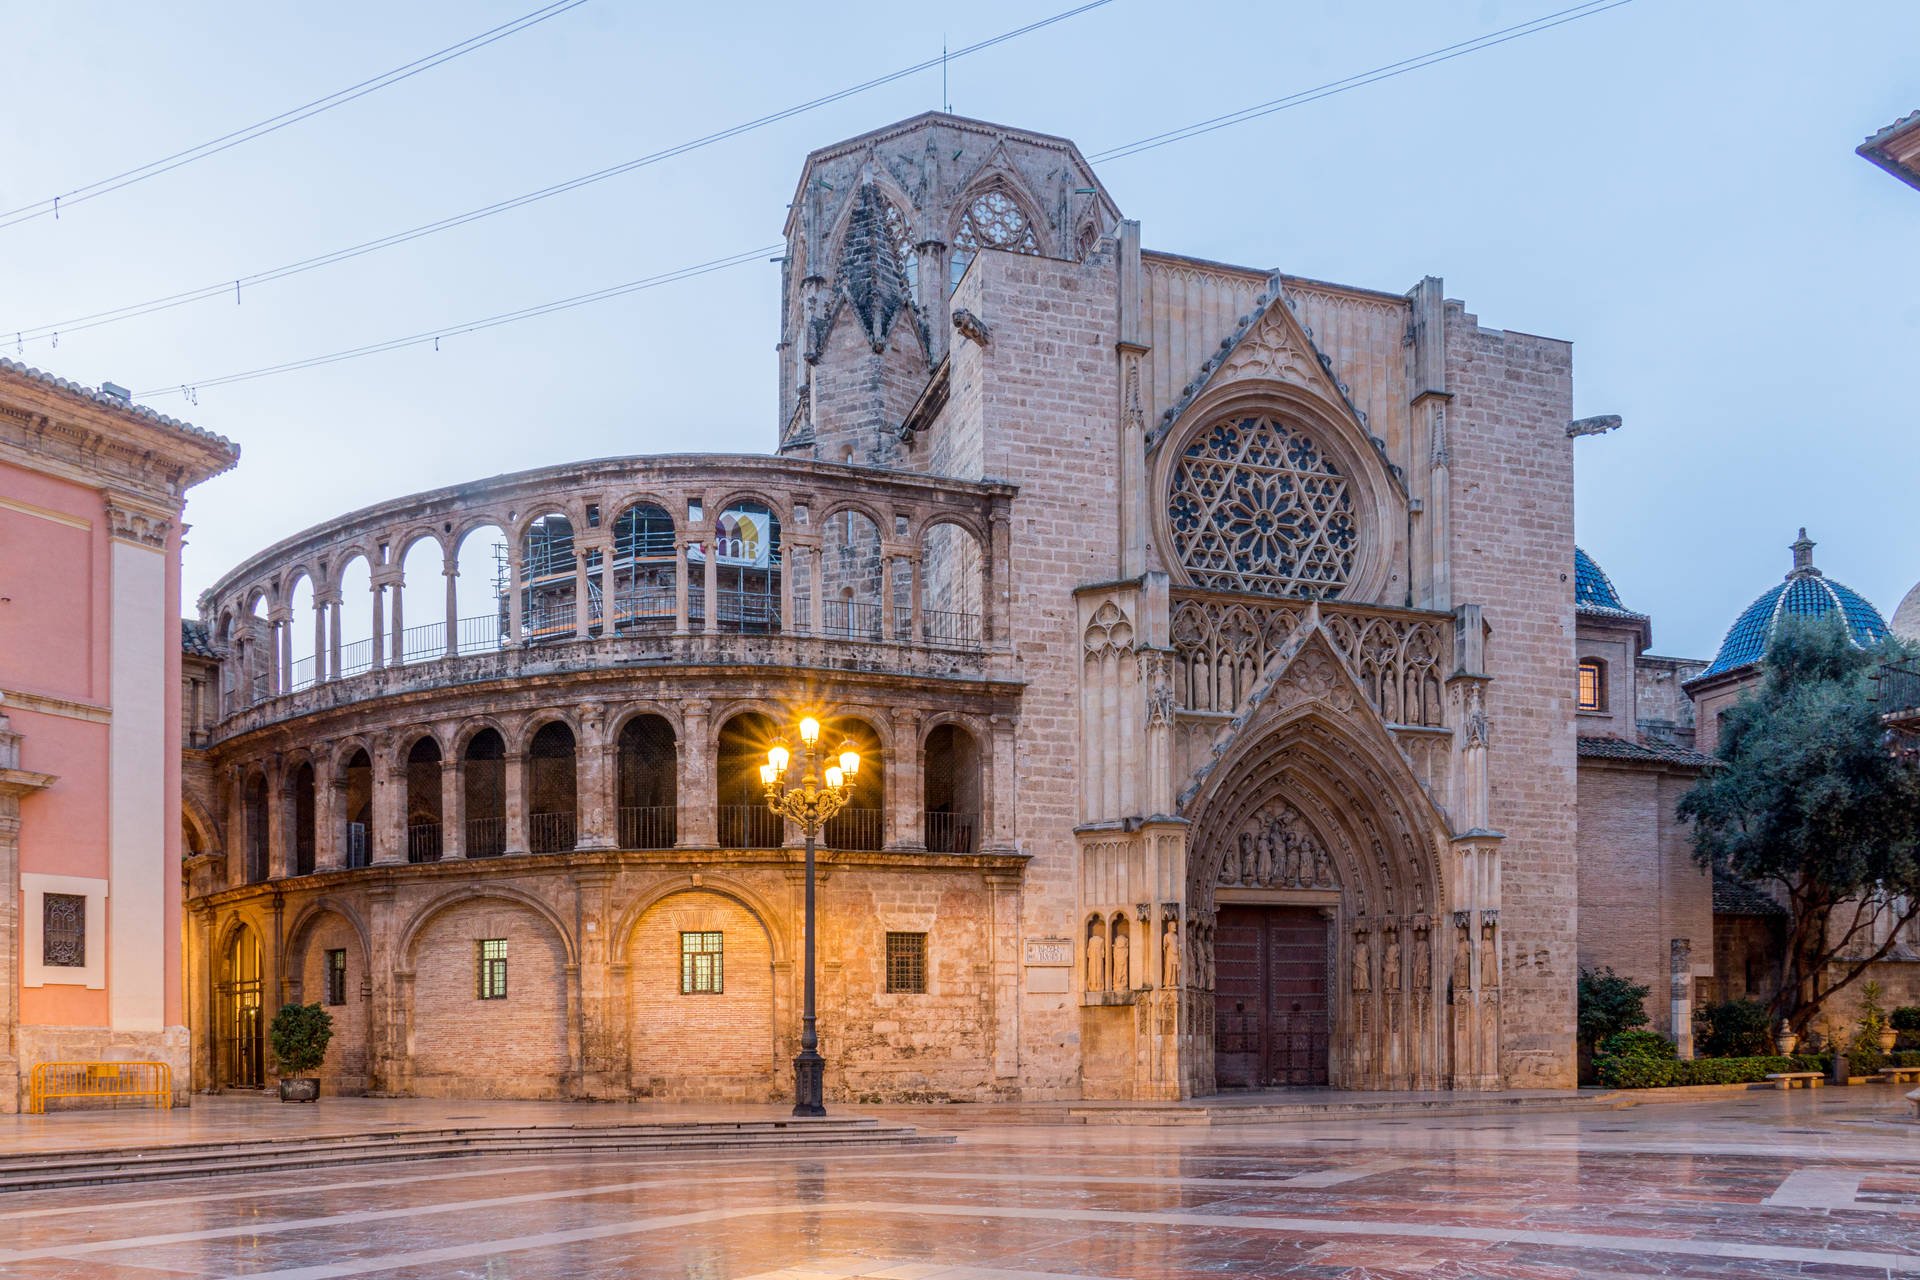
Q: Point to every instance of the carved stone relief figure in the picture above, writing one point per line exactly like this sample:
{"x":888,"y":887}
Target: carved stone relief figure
{"x":1489,"y":957}
{"x":1390,"y":967}
{"x":1462,"y":961}
{"x":1170,"y":976}
{"x":1362,"y":961}
{"x":1422,"y":961}
{"x":1096,"y":959}
{"x":1122,"y":960}
{"x":1277,"y":849}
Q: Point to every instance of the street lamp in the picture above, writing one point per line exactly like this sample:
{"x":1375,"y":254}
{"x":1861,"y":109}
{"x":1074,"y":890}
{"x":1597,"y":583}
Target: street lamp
{"x":819,"y":793}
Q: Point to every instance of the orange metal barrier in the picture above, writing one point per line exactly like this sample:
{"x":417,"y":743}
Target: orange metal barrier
{"x":52,"y":1080}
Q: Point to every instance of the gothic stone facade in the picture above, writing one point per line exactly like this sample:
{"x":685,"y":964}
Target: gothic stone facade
{"x":1207,"y":630}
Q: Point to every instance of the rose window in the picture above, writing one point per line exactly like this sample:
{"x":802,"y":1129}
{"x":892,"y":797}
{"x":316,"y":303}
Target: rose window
{"x":1257,"y":507}
{"x":993,"y":221}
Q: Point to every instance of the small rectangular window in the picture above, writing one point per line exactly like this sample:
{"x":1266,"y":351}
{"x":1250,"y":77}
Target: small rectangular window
{"x":63,"y":934}
{"x":906,"y":962}
{"x":1590,"y":687}
{"x":700,"y":964}
{"x":337,"y":977}
{"x":493,"y":969}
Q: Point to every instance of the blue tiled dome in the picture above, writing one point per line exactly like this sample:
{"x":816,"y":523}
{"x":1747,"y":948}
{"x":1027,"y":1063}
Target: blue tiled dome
{"x":1592,"y":589}
{"x":1807,"y":593}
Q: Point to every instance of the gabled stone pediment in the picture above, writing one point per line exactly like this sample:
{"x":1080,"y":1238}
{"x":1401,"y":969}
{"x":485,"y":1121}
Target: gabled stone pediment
{"x":1270,"y":342}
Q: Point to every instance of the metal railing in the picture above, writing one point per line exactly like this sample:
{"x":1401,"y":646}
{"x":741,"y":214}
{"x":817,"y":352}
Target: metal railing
{"x":747,"y":611}
{"x":952,"y":832}
{"x":852,"y":829}
{"x":356,"y":657}
{"x":939,"y":626}
{"x":357,"y":851}
{"x":478,"y":634}
{"x":550,"y":832}
{"x":642,"y":606}
{"x":1898,"y":687}
{"x":424,"y":642}
{"x":851,"y":619}
{"x":423,"y":842}
{"x":749,"y":826}
{"x":650,"y":827}
{"x":55,"y":1080}
{"x":547,"y":620}
{"x":302,"y":676}
{"x":486,"y":837}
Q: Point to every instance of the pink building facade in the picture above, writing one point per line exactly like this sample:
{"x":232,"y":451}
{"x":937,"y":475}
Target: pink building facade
{"x":91,"y":493}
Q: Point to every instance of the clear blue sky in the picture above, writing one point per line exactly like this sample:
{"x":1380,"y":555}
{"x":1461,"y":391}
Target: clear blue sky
{"x":1670,"y":185}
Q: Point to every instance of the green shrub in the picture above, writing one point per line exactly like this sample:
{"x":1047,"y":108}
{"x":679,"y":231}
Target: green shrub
{"x":1609,"y":1003}
{"x":299,"y":1036}
{"x":1658,"y":1073}
{"x":1637,"y":1044}
{"x":1732,"y":1029}
{"x":1905,"y":1018}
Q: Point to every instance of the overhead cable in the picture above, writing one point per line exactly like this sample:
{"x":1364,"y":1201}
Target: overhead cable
{"x":273,"y":124}
{"x":237,"y":285}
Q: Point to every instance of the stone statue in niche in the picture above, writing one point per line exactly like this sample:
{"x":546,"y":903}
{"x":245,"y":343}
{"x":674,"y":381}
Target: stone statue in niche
{"x":1277,"y":849}
{"x":1390,"y":966}
{"x":1422,"y":961}
{"x":1170,"y":975}
{"x":1362,"y":961}
{"x":1489,"y":957}
{"x":1096,"y":961}
{"x":1462,"y":961}
{"x":1122,"y":961}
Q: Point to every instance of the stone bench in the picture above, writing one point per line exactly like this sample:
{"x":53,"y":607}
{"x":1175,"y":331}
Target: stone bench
{"x":1900,"y":1075}
{"x":1787,"y":1079}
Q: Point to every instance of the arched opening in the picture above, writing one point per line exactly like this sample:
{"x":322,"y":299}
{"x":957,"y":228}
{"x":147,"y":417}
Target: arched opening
{"x":485,"y":794}
{"x":642,"y":581}
{"x":254,"y":798}
{"x":359,"y":810}
{"x":423,"y":801}
{"x":646,"y":765}
{"x":300,"y":610}
{"x":260,"y":655}
{"x":747,"y":569}
{"x":950,"y":773}
{"x":329,"y":959}
{"x":304,"y":842}
{"x":480,"y":590}
{"x":418,"y":601}
{"x":552,"y":814}
{"x":950,"y":587}
{"x":745,"y":820}
{"x":862,"y":823}
{"x":490,"y":999}
{"x":351,"y":636}
{"x":850,"y":576}
{"x":240,"y":996}
{"x":547,"y":585}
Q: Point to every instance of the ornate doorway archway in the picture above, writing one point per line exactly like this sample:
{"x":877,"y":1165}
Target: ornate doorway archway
{"x":240,"y":1012}
{"x":1270,"y":997}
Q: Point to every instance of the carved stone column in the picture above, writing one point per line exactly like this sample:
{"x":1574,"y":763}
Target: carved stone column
{"x":453,"y":826}
{"x":694,"y":786}
{"x":905,"y":797}
{"x":389,"y":804}
{"x":592,"y":792}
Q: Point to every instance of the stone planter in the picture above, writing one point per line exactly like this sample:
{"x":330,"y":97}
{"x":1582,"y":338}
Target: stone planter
{"x":299,"y":1088}
{"x":1784,"y":1041}
{"x":1887,"y":1037}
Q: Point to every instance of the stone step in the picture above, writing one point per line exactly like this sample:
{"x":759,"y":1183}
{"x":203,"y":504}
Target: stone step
{"x":71,"y":1169}
{"x":1204,"y":1114}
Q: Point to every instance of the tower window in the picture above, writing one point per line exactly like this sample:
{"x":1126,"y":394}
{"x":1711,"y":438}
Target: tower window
{"x":337,"y":977}
{"x":1593,"y":686}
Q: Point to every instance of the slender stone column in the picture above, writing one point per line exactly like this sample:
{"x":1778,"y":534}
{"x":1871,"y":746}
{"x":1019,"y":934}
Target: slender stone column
{"x":817,"y":599}
{"x":329,"y":833}
{"x":903,"y":800}
{"x":451,"y":572}
{"x":886,"y":595}
{"x":389,"y":805}
{"x":279,"y":828}
{"x":379,"y":633}
{"x":582,"y":613}
{"x":333,"y":636}
{"x":680,"y":588}
{"x":516,"y":624}
{"x":398,"y":649}
{"x":712,"y":563}
{"x":319,"y":639}
{"x":516,"y":801}
{"x":453,"y":826}
{"x":916,"y":630}
{"x":694,"y":787}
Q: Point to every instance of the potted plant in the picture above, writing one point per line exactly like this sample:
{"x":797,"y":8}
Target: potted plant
{"x":299,"y":1036}
{"x":1874,"y":1026}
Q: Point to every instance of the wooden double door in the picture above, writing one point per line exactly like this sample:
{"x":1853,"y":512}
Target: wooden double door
{"x":1270,"y":997}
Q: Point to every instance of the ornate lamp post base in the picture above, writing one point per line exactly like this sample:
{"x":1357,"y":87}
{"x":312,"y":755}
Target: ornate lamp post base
{"x":809,"y":1083}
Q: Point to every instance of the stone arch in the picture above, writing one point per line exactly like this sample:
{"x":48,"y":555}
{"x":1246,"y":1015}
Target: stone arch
{"x":700,"y":965}
{"x":1378,"y":499}
{"x":240,"y":995}
{"x":327,"y":924}
{"x":203,"y":830}
{"x":1004,"y":180}
{"x":524,"y":1030}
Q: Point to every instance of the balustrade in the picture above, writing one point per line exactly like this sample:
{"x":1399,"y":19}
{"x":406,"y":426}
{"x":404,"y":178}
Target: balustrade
{"x":550,"y":832}
{"x":423,"y":842}
{"x":486,"y":837}
{"x":952,"y":832}
{"x":649,"y":827}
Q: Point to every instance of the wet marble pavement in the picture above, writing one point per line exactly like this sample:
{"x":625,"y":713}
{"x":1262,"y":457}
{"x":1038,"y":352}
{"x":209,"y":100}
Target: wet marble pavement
{"x":1751,"y":1185}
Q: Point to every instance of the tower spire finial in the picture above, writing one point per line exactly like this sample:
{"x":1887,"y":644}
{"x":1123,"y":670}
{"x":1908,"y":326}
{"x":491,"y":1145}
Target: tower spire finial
{"x":1802,"y":548}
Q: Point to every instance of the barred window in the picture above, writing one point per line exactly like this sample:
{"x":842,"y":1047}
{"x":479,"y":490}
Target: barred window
{"x":700,"y":964}
{"x":63,"y":937}
{"x":906,"y":962}
{"x":493,"y":969}
{"x":337,"y":977}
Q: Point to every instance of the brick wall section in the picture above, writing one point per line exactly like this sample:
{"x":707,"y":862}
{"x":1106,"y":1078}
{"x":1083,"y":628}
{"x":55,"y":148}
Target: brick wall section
{"x":1043,"y":395}
{"x":1512,"y":522}
{"x":519,"y":1044}
{"x":702,"y":1046}
{"x":1639,"y":888}
{"x":345,"y":1070}
{"x":859,"y":397}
